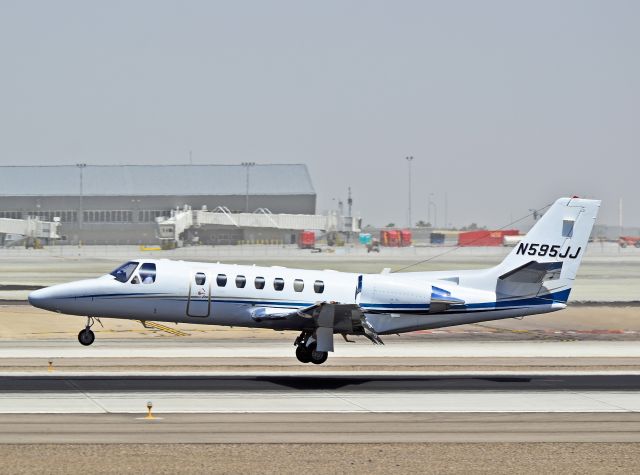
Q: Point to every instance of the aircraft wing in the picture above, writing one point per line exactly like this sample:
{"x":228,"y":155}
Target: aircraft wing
{"x":328,"y":318}
{"x":277,"y":313}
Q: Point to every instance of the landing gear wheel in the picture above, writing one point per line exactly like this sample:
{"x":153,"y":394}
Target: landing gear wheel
{"x":317,"y":357}
{"x":86,"y":337}
{"x":303,"y":354}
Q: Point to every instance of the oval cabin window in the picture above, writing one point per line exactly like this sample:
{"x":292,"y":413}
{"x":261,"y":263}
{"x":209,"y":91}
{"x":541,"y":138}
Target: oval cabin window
{"x":318,"y":286}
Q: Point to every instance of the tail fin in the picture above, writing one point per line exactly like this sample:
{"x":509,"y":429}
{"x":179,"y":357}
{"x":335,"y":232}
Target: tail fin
{"x":546,"y":261}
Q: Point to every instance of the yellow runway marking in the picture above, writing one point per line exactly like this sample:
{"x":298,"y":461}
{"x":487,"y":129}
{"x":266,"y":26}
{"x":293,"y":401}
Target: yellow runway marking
{"x":164,"y":328}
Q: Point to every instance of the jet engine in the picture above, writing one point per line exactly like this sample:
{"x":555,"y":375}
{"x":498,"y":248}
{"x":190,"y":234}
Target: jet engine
{"x":390,"y":294}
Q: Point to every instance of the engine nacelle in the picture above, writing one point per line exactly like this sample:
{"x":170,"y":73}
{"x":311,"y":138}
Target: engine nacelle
{"x":391,"y":294}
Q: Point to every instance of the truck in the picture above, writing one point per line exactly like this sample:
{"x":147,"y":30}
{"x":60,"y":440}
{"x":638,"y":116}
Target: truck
{"x":625,"y":241}
{"x":307,"y":240}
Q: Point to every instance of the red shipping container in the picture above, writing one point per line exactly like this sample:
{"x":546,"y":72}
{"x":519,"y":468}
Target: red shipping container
{"x":394,"y":238}
{"x":390,"y":238}
{"x":484,"y":238}
{"x":405,"y":237}
{"x":307,"y":240}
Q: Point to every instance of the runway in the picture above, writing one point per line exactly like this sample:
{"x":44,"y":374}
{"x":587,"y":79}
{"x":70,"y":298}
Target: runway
{"x":319,"y":393}
{"x":230,"y":391}
{"x":319,"y":408}
{"x":394,"y":349}
{"x":314,"y":428}
{"x":236,"y":356}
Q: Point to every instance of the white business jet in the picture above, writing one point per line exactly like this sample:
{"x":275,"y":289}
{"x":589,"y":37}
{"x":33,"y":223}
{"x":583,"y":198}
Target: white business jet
{"x":536,"y":277}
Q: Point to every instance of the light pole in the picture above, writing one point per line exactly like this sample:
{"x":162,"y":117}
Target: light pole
{"x":247,"y":165}
{"x":135,"y":209}
{"x":409,"y":159}
{"x":446,"y":210}
{"x":81,"y":167}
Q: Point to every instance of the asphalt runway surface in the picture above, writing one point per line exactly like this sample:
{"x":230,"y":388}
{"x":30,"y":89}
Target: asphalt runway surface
{"x":257,"y":353}
{"x":318,"y":382}
{"x":319,"y":428}
{"x":264,"y":393}
{"x":273,"y":408}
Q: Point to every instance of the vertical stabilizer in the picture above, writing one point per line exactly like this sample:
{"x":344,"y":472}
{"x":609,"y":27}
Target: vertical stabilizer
{"x":548,"y":257}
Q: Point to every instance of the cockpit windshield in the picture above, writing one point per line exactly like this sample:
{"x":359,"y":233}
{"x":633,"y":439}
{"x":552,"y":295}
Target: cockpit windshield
{"x":123,"y":272}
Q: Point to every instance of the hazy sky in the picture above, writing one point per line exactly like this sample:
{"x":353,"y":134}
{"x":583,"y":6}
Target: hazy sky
{"x":504,"y":105}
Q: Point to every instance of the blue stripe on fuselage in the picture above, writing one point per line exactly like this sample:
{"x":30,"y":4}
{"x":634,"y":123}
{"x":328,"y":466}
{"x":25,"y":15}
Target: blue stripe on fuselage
{"x":561,"y":296}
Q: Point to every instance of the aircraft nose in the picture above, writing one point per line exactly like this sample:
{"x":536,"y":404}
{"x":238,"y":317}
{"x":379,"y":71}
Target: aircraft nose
{"x":41,"y":298}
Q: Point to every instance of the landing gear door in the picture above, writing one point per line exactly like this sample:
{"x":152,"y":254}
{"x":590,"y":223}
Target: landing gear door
{"x":199,"y":304}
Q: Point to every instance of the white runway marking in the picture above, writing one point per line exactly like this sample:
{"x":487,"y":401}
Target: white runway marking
{"x":321,"y":401}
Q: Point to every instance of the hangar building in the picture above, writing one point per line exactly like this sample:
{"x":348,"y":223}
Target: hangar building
{"x":118,"y":204}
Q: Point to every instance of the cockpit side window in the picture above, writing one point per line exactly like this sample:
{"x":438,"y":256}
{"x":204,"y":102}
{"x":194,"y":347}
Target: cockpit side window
{"x":147,"y":273}
{"x":123,"y":273}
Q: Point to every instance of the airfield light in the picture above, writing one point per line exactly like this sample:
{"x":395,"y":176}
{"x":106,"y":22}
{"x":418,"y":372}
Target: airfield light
{"x":149,"y":407}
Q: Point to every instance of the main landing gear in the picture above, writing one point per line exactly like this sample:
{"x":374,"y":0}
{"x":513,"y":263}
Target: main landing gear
{"x":86,"y":336}
{"x":306,"y":350}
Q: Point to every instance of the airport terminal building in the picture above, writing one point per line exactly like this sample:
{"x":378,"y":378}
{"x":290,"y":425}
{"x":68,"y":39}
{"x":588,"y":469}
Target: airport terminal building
{"x":118,"y":204}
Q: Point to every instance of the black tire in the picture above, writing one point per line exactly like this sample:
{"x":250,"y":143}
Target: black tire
{"x":318,"y":357}
{"x":303,"y":353}
{"x":623,"y":245}
{"x":637,"y":244}
{"x":86,"y":337}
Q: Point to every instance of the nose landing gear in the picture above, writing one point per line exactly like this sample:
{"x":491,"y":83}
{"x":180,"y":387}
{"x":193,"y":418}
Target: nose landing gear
{"x":86,"y":336}
{"x":306,"y":350}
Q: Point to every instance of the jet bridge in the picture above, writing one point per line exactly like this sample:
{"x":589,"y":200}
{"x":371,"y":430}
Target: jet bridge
{"x":29,"y":228}
{"x":174,"y":227}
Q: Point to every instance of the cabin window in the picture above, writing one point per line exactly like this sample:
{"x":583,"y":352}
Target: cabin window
{"x":201,"y":278}
{"x":147,"y":273}
{"x":259,"y":282}
{"x":123,"y":273}
{"x":221,"y":280}
{"x":318,"y":286}
{"x":278,"y":283}
{"x":298,"y":285}
{"x":241,"y":281}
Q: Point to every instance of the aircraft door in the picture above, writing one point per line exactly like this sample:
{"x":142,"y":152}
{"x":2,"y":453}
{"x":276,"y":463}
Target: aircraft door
{"x":199,"y":303}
